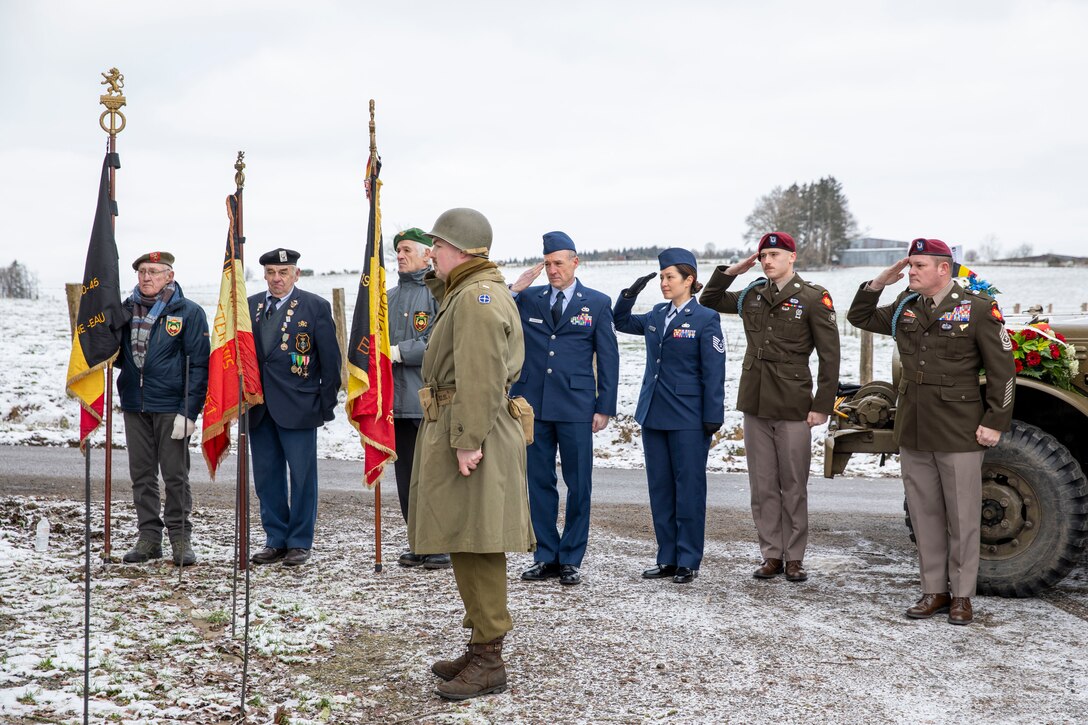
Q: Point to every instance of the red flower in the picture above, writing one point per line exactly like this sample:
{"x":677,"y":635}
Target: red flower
{"x":1060,"y":336}
{"x":1015,"y":344}
{"x":1029,"y":334}
{"x":1055,"y":352}
{"x":1034,"y":359}
{"x":1019,"y":366}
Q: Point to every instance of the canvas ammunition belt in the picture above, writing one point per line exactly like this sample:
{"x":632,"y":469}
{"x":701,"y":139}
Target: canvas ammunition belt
{"x":432,"y":398}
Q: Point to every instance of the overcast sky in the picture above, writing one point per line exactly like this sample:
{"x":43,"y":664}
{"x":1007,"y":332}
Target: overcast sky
{"x":621,"y":123}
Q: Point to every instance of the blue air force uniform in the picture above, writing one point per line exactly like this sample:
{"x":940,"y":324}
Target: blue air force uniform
{"x":299,"y":359}
{"x":681,"y":403}
{"x":559,"y":382}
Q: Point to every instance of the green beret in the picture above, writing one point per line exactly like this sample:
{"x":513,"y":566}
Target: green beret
{"x":413,"y":234}
{"x":155,"y":258}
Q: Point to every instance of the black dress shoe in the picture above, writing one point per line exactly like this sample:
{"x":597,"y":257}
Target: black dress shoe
{"x":296,"y":557}
{"x":268,"y":555}
{"x":661,"y":571}
{"x":540,"y":571}
{"x":569,"y":574}
{"x":684,"y":575}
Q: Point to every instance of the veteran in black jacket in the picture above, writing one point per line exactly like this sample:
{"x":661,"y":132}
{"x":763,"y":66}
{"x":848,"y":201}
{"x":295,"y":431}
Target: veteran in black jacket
{"x":299,"y":358}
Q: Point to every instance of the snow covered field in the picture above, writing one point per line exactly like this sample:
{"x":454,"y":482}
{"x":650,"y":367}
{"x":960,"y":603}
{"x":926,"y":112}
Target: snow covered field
{"x":35,"y":411}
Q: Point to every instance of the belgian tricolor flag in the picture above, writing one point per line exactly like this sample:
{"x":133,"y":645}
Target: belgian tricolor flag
{"x":97,"y":336}
{"x":233,"y":356}
{"x":370,"y":369}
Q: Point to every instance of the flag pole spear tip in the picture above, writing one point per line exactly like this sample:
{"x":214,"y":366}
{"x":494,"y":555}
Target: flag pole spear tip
{"x":113,"y":100}
{"x":239,"y":166}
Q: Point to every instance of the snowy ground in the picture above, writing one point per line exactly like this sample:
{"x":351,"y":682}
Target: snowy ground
{"x":336,"y":642}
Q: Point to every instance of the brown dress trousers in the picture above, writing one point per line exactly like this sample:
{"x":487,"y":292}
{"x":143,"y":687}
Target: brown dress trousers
{"x":782,"y":327}
{"x":940,"y":408}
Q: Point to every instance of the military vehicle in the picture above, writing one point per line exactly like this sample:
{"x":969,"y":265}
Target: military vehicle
{"x":1034,"y":491}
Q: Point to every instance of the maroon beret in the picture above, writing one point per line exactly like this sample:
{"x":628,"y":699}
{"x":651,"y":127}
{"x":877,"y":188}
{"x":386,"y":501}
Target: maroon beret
{"x":934,"y":247}
{"x":777,"y":240}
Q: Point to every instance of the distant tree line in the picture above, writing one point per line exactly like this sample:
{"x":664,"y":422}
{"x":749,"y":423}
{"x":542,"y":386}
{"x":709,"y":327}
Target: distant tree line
{"x":18,"y":282}
{"x":817,"y":215}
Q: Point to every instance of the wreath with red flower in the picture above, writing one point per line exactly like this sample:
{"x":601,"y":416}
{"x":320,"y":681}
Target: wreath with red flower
{"x":1043,"y":354}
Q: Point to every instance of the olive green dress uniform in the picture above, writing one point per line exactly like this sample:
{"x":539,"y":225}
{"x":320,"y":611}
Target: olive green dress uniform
{"x":782,"y":327}
{"x":475,"y":353}
{"x":940,"y":408}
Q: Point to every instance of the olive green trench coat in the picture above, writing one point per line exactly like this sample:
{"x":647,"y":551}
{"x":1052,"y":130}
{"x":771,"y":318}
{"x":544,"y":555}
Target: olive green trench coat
{"x":476,"y":348}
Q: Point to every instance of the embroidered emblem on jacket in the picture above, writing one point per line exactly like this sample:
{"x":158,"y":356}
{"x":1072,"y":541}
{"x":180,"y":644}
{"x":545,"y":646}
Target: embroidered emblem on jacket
{"x":173,"y":326}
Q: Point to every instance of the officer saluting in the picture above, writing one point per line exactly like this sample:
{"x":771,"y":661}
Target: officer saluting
{"x":299,"y":360}
{"x":571,"y":366}
{"x":943,"y":424}
{"x":785,"y":318}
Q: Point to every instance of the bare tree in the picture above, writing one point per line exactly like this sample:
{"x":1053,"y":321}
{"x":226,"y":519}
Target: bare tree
{"x":1024,"y":250}
{"x":989,"y":248}
{"x":18,"y":282}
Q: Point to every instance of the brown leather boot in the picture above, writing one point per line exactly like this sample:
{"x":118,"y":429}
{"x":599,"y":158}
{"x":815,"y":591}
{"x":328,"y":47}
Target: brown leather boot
{"x":769,"y":569}
{"x":485,"y":673}
{"x":448,"y":669}
{"x":795,"y":572}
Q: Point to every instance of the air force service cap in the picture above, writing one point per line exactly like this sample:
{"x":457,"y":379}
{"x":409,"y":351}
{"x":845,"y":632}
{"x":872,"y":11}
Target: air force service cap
{"x":777,"y":240}
{"x":280,"y":256}
{"x":933,"y":247}
{"x":676,"y":255}
{"x":557,"y":242}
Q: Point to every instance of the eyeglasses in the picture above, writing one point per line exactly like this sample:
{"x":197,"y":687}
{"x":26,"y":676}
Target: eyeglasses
{"x":151,"y":272}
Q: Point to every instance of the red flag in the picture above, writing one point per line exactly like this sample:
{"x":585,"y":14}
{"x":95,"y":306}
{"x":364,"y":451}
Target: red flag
{"x":97,"y":337}
{"x":233,"y":356}
{"x":370,"y":369}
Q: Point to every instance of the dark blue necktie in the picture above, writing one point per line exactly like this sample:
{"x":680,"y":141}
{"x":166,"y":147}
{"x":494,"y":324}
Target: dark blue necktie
{"x":557,"y":308}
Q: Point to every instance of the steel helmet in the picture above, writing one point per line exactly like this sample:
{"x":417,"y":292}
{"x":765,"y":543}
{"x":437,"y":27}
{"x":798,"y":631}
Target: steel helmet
{"x":466,"y":229}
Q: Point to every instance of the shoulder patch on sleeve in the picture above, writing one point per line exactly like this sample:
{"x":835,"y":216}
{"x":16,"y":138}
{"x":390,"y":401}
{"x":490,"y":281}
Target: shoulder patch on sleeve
{"x":825,"y":300}
{"x":995,"y":312}
{"x":484,"y":299}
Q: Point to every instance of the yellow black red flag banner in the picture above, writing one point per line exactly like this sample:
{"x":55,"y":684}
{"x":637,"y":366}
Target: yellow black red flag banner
{"x":370,"y":369}
{"x":97,"y":336}
{"x":233,"y":355}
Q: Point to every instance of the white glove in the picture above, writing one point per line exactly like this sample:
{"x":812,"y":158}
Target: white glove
{"x":183,"y":427}
{"x":394,"y":354}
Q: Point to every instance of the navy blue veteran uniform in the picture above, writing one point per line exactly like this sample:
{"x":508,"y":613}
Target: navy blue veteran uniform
{"x":570,"y":373}
{"x":682,"y":398}
{"x":299,"y":360}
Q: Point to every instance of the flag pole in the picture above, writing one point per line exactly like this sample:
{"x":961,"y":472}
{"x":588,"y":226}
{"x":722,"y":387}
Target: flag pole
{"x":113,"y":101}
{"x":373,"y":225}
{"x":242,"y":516}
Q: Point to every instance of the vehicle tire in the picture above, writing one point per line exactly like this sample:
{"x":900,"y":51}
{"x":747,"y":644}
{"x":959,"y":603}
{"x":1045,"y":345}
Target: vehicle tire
{"x":1034,"y":514}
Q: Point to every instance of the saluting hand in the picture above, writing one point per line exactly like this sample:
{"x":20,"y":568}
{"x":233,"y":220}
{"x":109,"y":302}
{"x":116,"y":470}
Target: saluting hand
{"x":742,"y":266}
{"x":468,"y":460}
{"x":638,"y":285}
{"x":891,"y":275}
{"x":526,"y":279}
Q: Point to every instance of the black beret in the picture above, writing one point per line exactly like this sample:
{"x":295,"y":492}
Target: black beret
{"x":280,"y":256}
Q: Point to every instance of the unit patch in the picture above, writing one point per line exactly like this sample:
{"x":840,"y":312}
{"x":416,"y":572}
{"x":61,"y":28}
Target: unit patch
{"x":419,"y":320}
{"x":302,"y":342}
{"x":995,"y":312}
{"x":173,"y":326}
{"x":484,"y":299}
{"x":826,"y":301}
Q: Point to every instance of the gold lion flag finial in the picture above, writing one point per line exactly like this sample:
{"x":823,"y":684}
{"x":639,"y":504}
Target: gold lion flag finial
{"x":113,"y":101}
